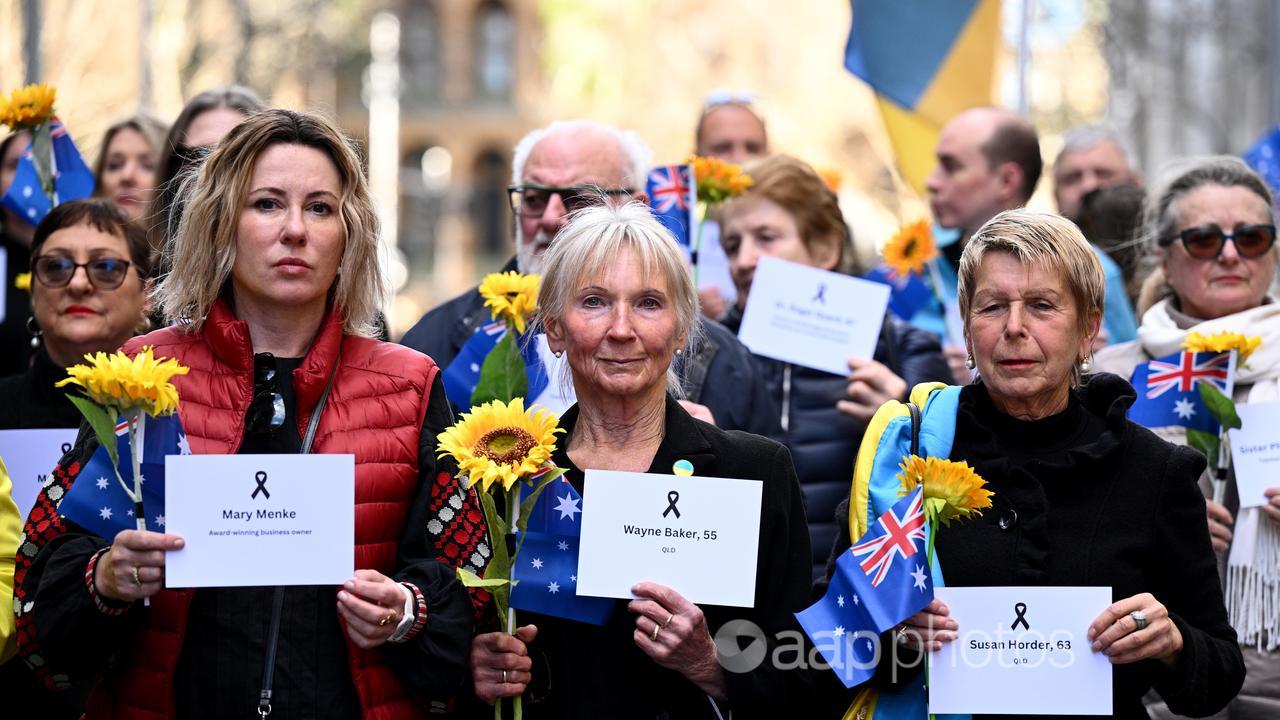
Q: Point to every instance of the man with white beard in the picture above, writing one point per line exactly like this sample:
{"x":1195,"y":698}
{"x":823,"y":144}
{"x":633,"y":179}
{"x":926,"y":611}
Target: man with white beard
{"x":564,"y":167}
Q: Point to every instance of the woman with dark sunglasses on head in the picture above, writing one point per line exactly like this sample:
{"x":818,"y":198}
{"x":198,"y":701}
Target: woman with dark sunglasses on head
{"x":89,"y":272}
{"x":1213,"y":227}
{"x":273,"y":292}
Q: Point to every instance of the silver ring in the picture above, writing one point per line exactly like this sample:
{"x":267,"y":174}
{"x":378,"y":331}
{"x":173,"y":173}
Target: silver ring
{"x":504,"y":677}
{"x":1140,"y":619}
{"x":902,"y":635}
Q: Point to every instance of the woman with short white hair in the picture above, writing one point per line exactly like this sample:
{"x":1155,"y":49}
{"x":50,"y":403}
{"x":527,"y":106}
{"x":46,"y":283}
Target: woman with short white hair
{"x":617,"y":302}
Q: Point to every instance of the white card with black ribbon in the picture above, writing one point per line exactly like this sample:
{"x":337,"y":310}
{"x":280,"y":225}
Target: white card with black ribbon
{"x":697,"y":535}
{"x":251,"y":520}
{"x":1021,"y":651}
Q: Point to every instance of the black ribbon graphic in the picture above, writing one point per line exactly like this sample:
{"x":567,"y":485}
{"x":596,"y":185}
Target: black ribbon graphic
{"x":673,"y":497}
{"x":1021,"y":609}
{"x":821,"y":295}
{"x":261,"y":477}
{"x":66,"y":448}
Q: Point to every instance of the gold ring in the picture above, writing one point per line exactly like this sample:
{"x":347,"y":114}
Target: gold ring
{"x":670,"y":617}
{"x":136,"y":580}
{"x":656,"y":629}
{"x":387,"y":619}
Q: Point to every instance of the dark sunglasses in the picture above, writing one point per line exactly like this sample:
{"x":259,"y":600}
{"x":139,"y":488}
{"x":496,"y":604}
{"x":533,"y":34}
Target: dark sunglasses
{"x":266,"y":411}
{"x":531,"y":200}
{"x":55,"y":271}
{"x":1206,"y":242}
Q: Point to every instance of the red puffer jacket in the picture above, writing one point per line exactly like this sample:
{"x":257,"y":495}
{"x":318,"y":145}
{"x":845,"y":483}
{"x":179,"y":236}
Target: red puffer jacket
{"x":375,"y":411}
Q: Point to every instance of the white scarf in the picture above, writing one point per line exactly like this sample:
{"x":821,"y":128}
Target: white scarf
{"x":1253,"y":566}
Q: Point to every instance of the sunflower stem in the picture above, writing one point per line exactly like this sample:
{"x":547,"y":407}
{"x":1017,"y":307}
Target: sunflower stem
{"x":513,"y":514}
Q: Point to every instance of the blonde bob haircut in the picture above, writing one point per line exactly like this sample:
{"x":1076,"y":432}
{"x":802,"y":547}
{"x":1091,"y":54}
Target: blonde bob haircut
{"x":202,"y":252}
{"x":1041,"y":239}
{"x":593,"y":239}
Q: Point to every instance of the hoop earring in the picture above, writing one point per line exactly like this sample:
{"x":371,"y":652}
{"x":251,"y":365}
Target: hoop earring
{"x":969,"y":363}
{"x":35,"y":331}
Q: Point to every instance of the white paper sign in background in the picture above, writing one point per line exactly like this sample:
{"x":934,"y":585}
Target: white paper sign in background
{"x":1255,"y":451}
{"x":811,"y":317}
{"x":697,"y":535}
{"x":30,"y":456}
{"x":1021,"y":650}
{"x":260,"y":519}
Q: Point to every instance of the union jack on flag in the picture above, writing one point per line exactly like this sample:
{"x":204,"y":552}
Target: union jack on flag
{"x":900,"y":535}
{"x":1189,"y":370}
{"x":673,"y":195}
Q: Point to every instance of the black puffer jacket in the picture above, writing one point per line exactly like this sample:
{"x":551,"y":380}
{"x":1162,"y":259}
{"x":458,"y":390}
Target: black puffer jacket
{"x":824,"y":441}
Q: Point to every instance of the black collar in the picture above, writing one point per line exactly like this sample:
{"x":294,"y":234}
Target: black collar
{"x":683,"y":439}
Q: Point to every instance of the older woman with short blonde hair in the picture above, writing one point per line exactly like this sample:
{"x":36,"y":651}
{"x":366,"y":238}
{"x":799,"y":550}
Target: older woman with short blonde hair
{"x":1082,"y":496}
{"x":274,"y":283}
{"x":618,"y":304}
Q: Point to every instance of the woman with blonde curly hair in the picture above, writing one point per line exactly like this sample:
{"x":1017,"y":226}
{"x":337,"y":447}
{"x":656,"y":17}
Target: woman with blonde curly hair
{"x":274,"y":285}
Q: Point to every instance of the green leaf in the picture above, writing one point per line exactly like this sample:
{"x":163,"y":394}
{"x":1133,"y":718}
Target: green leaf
{"x":502,"y":377}
{"x":1206,"y":443}
{"x":102,"y":422}
{"x":470,"y":579}
{"x":1220,"y":406}
{"x":500,"y":564}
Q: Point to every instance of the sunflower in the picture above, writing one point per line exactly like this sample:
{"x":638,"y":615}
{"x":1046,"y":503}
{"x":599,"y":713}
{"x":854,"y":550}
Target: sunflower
{"x":138,"y":383}
{"x":22,"y":281}
{"x":910,"y":248}
{"x":27,"y":107}
{"x":832,"y":178}
{"x":952,"y":490}
{"x":500,"y":441}
{"x":511,"y":296}
{"x":718,"y":180}
{"x":1223,"y":342}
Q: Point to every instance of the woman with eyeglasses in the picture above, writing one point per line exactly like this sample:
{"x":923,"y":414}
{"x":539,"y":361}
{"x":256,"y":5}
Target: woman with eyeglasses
{"x":89,"y":271}
{"x":274,"y":288}
{"x":1213,"y":227}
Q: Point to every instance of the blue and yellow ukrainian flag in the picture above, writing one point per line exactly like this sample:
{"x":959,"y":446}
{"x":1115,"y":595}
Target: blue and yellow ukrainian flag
{"x":927,"y":60}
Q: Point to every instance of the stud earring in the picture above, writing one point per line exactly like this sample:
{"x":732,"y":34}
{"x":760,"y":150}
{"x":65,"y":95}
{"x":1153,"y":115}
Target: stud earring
{"x":969,"y":363}
{"x":679,"y":352}
{"x":557,"y":353}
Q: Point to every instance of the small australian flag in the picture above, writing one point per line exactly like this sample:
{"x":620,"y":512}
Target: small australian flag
{"x":547,"y":567}
{"x":673,"y":195}
{"x":98,"y":503}
{"x":1169,"y":389}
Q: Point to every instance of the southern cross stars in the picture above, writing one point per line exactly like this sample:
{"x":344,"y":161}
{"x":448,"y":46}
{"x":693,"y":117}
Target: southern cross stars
{"x":568,"y":508}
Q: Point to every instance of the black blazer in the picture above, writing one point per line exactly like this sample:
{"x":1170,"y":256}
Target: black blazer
{"x":585,"y":671}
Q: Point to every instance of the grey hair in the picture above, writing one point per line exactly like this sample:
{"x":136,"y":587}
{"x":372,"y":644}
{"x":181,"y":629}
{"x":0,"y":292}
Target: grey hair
{"x":1181,"y":177}
{"x":1042,"y":239}
{"x":593,"y":238}
{"x":635,"y":153}
{"x":1083,"y":137}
